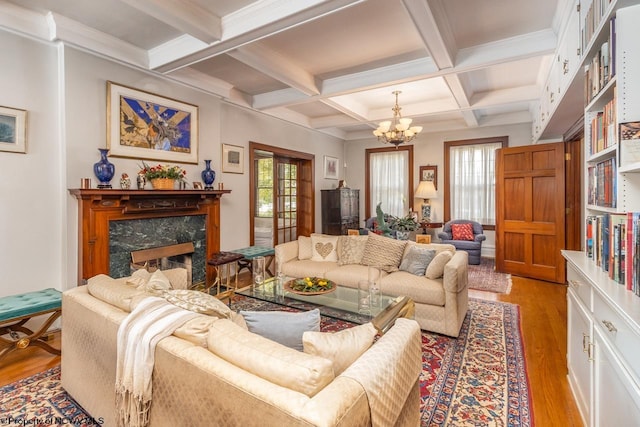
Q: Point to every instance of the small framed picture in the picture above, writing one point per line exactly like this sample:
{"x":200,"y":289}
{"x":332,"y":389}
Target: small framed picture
{"x":232,"y":158}
{"x":429,"y":173}
{"x":330,"y":167}
{"x":197,"y":185}
{"x":13,"y":130}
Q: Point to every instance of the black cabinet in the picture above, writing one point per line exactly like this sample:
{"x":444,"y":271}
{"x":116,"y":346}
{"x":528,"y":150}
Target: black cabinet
{"x":340,"y":210}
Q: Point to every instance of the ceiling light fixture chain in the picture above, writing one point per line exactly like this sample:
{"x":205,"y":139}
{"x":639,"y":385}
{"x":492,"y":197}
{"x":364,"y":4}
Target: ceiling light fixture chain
{"x":396,"y":131}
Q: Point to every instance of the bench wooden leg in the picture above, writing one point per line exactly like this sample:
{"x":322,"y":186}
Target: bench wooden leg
{"x":31,"y":338}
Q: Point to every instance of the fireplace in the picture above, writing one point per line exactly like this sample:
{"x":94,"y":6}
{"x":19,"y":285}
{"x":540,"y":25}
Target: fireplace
{"x":113,"y":223}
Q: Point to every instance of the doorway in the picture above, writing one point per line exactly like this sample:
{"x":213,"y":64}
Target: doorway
{"x":281,"y":195}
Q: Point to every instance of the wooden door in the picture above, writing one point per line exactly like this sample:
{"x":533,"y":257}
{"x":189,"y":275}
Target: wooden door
{"x":530,"y":211}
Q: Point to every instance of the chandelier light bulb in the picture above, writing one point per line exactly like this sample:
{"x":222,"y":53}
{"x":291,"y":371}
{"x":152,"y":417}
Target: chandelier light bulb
{"x":398,"y":130}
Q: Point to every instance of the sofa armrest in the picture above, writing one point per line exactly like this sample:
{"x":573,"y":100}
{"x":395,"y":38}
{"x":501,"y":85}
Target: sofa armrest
{"x":455,"y":278}
{"x":286,"y":252}
{"x":480,"y":237}
{"x":444,"y":235}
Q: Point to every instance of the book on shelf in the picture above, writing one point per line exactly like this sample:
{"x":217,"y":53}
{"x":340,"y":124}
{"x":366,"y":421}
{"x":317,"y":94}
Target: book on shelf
{"x":613,"y":243}
{"x":602,"y":183}
{"x":601,"y":68}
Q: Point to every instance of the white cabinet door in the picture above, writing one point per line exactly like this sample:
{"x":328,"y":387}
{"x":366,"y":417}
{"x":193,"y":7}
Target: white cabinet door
{"x":579,"y":349}
{"x":617,"y":398}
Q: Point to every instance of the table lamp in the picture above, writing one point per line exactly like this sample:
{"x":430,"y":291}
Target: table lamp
{"x":426,"y":190}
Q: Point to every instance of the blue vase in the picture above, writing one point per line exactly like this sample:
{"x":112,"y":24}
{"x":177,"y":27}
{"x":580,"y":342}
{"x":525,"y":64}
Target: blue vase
{"x":104,"y":169}
{"x":208,"y":175}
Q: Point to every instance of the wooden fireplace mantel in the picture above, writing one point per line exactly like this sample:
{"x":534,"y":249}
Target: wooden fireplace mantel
{"x":96,"y":208}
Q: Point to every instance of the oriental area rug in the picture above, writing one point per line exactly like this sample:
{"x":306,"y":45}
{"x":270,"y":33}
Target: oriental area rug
{"x":483,"y":277}
{"x":479,"y":378}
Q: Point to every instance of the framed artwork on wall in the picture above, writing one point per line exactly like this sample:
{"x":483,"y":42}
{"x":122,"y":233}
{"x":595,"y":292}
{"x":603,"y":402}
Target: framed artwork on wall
{"x":13,"y":130}
{"x":429,"y":173}
{"x":232,"y":158}
{"x":144,"y":125}
{"x":330,"y":167}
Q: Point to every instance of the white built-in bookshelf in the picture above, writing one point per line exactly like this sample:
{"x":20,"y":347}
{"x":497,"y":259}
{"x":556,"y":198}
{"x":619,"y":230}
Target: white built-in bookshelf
{"x":604,"y":279}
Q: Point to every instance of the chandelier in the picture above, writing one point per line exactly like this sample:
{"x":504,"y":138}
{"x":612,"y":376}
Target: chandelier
{"x":396,"y":131}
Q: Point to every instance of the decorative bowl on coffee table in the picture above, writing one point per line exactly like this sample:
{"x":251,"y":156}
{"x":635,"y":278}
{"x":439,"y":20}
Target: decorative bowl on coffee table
{"x":310,"y":286}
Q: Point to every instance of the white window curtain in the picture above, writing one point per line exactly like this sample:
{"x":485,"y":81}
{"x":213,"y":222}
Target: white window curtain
{"x":473,"y":182}
{"x":388,"y":182}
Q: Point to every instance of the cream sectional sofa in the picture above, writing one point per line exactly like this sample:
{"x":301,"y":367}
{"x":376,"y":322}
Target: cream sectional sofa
{"x":214,"y":372}
{"x":440,"y":303}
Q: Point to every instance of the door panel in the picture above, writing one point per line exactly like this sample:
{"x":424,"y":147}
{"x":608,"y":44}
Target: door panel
{"x":530,"y":211}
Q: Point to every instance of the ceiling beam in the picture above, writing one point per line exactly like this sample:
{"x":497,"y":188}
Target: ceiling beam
{"x":276,"y":66}
{"x":184,"y":15}
{"x":254,"y":22}
{"x":518,"y":48}
{"x":431,"y":23}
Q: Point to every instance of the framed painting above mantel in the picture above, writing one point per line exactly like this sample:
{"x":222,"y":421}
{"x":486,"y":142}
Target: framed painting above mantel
{"x":143,"y":125}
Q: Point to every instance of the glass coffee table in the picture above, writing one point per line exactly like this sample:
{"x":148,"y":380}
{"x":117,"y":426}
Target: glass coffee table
{"x":340,"y":304}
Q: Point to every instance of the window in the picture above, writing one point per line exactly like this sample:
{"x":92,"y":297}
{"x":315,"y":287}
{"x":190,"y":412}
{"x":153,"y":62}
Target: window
{"x":470,"y":179}
{"x":389,"y":180}
{"x":264,"y":190}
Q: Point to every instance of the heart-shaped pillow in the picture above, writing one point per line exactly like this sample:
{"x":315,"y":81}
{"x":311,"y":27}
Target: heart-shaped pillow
{"x":324,"y":247}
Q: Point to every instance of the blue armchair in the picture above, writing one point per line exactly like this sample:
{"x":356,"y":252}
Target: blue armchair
{"x":473,"y":247}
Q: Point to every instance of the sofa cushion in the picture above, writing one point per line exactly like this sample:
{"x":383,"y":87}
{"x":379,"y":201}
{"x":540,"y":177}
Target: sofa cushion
{"x":350,"y":275}
{"x":351,"y":249}
{"x":438,"y":247}
{"x":383,"y":253}
{"x":198,"y":302}
{"x":114,"y":292}
{"x":416,"y":260}
{"x":421,"y":290}
{"x":283,"y":327}
{"x":138,"y":278}
{"x":342,"y":347}
{"x":295,"y":370}
{"x":196,"y":330}
{"x":304,"y":247}
{"x":307,"y":268}
{"x":157,"y":284}
{"x":177,"y":277}
{"x":435,"y":270}
{"x":324,"y":248}
{"x":462,"y":231}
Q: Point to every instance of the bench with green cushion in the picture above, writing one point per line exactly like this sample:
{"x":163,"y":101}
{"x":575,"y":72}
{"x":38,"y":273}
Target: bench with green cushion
{"x":16,"y":310}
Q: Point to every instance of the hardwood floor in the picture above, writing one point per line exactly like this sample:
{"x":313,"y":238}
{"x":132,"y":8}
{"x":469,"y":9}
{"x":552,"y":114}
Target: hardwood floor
{"x":543,"y":311}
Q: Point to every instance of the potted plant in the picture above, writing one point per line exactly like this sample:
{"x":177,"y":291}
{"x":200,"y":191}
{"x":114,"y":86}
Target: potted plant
{"x":403,"y":226}
{"x":162,"y":176}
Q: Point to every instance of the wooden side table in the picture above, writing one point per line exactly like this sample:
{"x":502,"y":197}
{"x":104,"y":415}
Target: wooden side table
{"x":431,"y":226}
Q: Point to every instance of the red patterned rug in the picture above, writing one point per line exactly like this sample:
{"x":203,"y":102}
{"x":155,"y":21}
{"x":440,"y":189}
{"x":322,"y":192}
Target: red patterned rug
{"x":483,"y":277}
{"x":477,"y":379}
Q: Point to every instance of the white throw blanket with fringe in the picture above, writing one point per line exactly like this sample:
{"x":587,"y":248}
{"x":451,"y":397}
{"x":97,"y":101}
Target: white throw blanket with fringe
{"x":153,"y":319}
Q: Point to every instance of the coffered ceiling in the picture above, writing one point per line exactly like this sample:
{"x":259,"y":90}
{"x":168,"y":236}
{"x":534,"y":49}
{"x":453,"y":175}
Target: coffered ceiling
{"x":329,"y":65}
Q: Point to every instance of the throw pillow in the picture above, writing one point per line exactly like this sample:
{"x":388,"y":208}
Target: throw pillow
{"x":304,"y":247}
{"x":342,"y":347}
{"x":139,"y":278}
{"x":157,"y":284}
{"x":383,"y":253}
{"x":462,"y":231}
{"x":435,"y":270}
{"x":282,"y":327}
{"x":351,"y":249}
{"x":269,"y":360}
{"x":324,"y":248}
{"x":198,"y":302}
{"x":417,"y":259}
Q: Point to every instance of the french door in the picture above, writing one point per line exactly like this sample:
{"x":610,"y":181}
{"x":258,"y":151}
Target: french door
{"x":281,"y":195}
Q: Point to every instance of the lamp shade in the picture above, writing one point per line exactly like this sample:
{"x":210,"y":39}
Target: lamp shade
{"x":426,"y":190}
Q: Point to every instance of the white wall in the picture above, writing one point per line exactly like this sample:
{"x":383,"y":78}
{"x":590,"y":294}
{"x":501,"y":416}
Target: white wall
{"x":31,"y":184}
{"x":429,"y":150}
